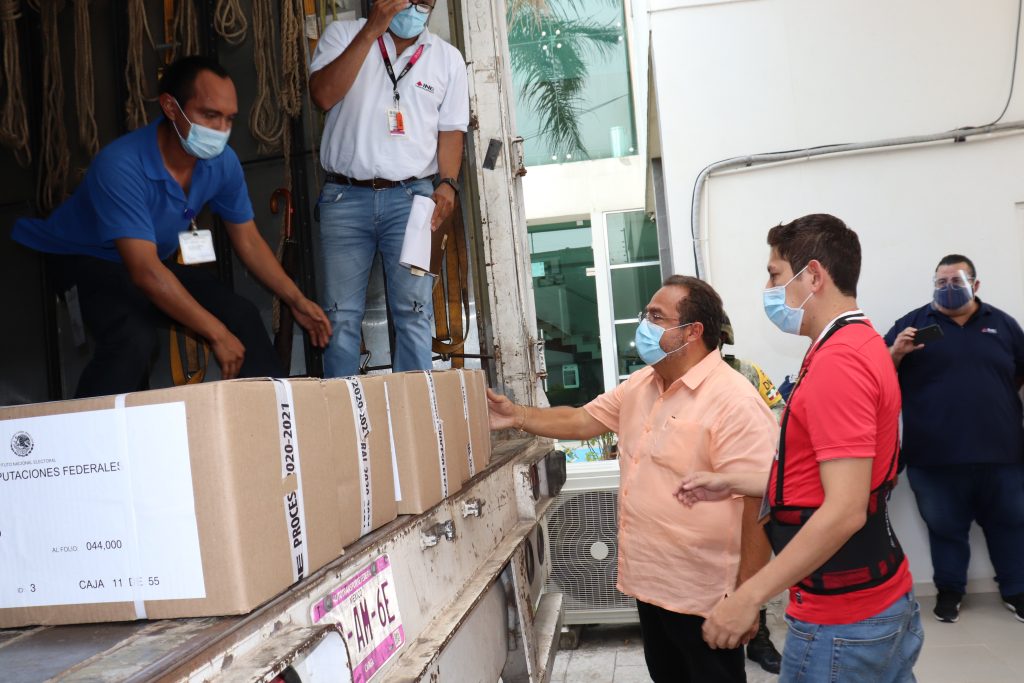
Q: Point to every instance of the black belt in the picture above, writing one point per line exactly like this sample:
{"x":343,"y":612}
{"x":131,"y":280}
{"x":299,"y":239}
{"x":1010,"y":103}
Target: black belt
{"x":373,"y":183}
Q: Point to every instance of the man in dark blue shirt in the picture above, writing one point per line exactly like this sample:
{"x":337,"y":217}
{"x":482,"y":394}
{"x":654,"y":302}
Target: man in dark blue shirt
{"x":116,"y":236}
{"x":963,"y":443}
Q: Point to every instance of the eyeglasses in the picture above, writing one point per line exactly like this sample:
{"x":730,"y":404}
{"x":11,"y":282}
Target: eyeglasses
{"x":654,"y":318}
{"x":422,"y":6}
{"x":956,"y":281}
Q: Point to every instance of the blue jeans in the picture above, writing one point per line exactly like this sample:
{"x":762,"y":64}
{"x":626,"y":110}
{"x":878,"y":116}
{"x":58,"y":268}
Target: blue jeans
{"x":880,"y":649}
{"x":355,"y":223}
{"x":951,"y":498}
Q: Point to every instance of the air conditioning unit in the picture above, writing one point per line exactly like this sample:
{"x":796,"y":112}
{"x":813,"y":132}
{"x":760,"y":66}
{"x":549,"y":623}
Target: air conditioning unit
{"x":582,"y":528}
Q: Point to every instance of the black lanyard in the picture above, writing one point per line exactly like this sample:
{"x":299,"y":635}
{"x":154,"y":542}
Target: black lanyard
{"x":840,"y":323}
{"x":391,"y":70}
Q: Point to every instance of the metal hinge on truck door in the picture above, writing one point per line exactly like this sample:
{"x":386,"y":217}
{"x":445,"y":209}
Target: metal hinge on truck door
{"x":539,"y":363}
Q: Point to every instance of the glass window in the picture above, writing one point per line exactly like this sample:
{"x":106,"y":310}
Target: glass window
{"x":570,"y":69}
{"x":632,"y":289}
{"x":565,"y":296}
{"x":629,"y":359}
{"x":632,"y":238}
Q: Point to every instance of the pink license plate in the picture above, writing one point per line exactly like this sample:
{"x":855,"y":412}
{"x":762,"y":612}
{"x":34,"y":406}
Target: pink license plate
{"x":366,"y":608}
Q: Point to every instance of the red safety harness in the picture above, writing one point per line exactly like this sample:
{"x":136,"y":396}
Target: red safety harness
{"x":872,"y":555}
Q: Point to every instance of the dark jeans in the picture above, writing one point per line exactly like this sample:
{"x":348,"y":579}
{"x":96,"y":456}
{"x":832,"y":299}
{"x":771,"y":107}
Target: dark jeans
{"x":676,"y":652}
{"x":125,"y":324}
{"x":952,"y":497}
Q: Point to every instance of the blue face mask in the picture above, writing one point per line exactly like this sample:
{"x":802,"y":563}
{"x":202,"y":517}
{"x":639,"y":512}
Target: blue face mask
{"x":409,"y":23}
{"x":648,"y":341}
{"x":202,"y":142}
{"x":952,"y":297}
{"x":785,"y":317}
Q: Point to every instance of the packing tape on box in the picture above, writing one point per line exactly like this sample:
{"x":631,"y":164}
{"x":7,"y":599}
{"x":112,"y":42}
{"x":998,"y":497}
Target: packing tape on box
{"x":394,"y":451}
{"x":291,"y":465}
{"x":135,"y":563}
{"x":363,"y":429}
{"x":465,"y":414}
{"x":439,"y":430}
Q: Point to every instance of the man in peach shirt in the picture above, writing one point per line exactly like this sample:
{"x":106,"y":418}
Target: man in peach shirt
{"x":686,"y":412}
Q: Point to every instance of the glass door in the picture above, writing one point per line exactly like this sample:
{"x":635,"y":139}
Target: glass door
{"x":634,"y":272}
{"x":565,"y":295}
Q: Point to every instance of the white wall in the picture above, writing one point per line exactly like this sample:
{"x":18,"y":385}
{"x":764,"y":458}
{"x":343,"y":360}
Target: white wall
{"x":737,"y":78}
{"x":584,"y":188}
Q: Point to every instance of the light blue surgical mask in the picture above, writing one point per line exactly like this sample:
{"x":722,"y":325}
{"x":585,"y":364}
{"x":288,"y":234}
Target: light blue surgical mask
{"x":202,"y":142}
{"x":648,"y":341}
{"x":409,"y":23}
{"x":785,"y":317}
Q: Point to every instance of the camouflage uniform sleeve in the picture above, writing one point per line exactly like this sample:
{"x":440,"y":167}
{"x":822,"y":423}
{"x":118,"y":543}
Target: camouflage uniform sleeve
{"x":765,"y":387}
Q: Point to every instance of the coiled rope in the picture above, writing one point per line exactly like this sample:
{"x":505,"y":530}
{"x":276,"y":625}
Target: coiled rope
{"x":13,"y":119}
{"x":229,"y":21}
{"x":186,"y":29}
{"x":135,"y":73}
{"x":278,"y":93}
{"x":85,"y":100}
{"x":55,"y":158}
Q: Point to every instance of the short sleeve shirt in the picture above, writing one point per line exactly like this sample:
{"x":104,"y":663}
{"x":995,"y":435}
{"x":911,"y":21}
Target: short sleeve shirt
{"x":711,"y":419}
{"x":434,"y":97}
{"x":128,"y":193}
{"x":846,"y":405}
{"x":960,"y":400}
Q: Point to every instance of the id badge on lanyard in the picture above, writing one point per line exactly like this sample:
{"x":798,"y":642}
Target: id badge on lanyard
{"x":196,"y":245}
{"x":395,"y":117}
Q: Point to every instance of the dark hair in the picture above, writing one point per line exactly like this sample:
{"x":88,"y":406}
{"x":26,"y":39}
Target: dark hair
{"x":823,"y":237}
{"x":700,"y":305}
{"x":953,"y":259}
{"x":179,"y":78}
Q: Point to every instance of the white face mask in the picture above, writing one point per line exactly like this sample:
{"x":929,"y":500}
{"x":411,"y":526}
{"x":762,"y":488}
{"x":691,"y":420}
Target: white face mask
{"x":785,"y":317}
{"x":202,"y":142}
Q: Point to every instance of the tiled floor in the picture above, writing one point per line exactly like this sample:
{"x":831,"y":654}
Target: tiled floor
{"x":985,"y":646}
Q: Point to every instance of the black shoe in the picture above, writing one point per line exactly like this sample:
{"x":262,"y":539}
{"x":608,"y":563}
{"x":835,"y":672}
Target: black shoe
{"x":947,"y":606}
{"x":1015,"y":603}
{"x":761,"y":649}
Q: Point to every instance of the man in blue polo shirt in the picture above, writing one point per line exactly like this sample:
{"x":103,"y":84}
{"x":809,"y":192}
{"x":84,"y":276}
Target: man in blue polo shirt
{"x":963,"y":443}
{"x":116,"y":237}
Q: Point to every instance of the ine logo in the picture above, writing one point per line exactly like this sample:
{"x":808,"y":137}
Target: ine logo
{"x":22,"y":444}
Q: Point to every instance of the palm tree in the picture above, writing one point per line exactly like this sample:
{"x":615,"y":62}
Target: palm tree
{"x":550,"y":42}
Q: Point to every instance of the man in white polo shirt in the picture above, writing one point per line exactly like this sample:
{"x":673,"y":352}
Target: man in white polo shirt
{"x":398,"y":108}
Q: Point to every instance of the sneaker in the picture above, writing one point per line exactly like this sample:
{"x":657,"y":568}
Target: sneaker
{"x":1015,"y":603}
{"x":761,"y":649}
{"x":947,"y":606}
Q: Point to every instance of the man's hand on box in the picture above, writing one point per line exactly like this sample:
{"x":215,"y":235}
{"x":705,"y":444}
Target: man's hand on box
{"x":501,"y":411}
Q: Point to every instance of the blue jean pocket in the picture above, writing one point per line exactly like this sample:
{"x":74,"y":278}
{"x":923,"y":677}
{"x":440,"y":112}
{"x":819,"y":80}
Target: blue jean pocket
{"x":422,"y":187}
{"x":331,"y":193}
{"x":796,"y":654}
{"x":864,"y":659}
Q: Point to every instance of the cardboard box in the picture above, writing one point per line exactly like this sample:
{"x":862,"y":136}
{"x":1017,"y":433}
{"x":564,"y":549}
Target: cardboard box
{"x":430,"y":436}
{"x":361,"y":443}
{"x":193,"y":501}
{"x":475,"y":382}
{"x":440,"y":430}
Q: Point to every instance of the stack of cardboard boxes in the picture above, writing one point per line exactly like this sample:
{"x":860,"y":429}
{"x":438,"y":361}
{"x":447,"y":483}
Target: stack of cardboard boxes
{"x":211,"y":499}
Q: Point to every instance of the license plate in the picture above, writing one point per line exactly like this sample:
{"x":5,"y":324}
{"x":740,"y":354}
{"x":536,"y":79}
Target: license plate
{"x":366,"y":608}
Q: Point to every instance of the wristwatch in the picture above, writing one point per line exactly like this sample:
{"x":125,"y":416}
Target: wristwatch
{"x":448,"y":181}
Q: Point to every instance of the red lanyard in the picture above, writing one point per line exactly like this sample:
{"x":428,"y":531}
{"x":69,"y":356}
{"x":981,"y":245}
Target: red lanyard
{"x":391,"y":70}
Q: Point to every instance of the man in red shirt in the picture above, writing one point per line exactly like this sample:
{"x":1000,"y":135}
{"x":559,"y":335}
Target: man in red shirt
{"x":852,"y":614}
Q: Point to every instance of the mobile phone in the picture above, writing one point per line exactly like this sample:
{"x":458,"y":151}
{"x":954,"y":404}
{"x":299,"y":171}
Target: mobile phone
{"x":925,"y":335}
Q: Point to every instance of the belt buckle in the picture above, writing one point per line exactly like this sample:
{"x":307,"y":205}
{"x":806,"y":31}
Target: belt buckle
{"x":379,"y":184}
